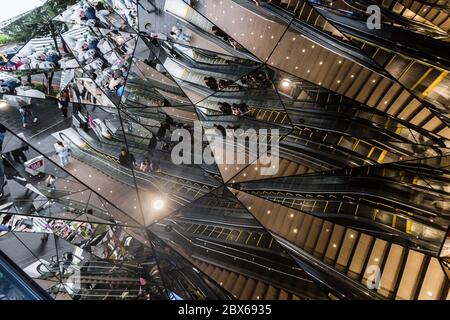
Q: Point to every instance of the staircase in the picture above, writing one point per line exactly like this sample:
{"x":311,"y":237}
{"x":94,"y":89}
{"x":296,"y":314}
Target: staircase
{"x":405,"y":273}
{"x":243,"y":287}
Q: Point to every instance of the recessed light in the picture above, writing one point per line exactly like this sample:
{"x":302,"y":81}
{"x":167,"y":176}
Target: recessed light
{"x":285,"y":83}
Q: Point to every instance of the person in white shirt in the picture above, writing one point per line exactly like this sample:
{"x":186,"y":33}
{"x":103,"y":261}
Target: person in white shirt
{"x":63,"y":152}
{"x":51,"y":180}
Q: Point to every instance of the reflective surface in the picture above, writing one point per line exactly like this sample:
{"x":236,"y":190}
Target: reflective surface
{"x":99,"y":106}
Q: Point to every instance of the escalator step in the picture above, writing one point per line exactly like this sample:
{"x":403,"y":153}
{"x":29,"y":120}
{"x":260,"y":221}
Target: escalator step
{"x":271,"y":293}
{"x":249,"y":288}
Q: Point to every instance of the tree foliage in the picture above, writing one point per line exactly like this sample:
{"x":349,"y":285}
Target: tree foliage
{"x":36,"y":22}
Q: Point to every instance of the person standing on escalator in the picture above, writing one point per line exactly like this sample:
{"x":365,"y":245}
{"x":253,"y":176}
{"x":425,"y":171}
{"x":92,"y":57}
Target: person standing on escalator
{"x":126,"y":159}
{"x":51,"y":180}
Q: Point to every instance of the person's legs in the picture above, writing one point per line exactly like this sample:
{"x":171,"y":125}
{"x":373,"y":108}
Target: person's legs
{"x":61,"y":160}
{"x":23,"y":118}
{"x":22,"y":157}
{"x":33,"y":116}
{"x":66,"y":160}
{"x":15,"y":156}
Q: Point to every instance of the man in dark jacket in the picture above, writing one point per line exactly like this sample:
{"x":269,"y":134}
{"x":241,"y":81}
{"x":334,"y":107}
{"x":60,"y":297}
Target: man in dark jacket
{"x":126,"y":159}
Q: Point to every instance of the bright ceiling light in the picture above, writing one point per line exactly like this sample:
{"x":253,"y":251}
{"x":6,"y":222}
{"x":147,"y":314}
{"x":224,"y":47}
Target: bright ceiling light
{"x":158,"y":204}
{"x":285,"y":83}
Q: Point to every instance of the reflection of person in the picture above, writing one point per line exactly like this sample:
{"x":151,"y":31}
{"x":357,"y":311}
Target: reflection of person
{"x":218,"y":32}
{"x":211,"y":83}
{"x":126,"y":159}
{"x":51,"y":180}
{"x":2,"y":135}
{"x":145,"y":165}
{"x":26,"y":114}
{"x":19,"y":156}
{"x":63,"y":152}
{"x":180,"y":35}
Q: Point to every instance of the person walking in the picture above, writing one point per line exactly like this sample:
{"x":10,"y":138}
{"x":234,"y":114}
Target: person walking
{"x":27,"y":115}
{"x":63,"y":105}
{"x":63,"y":152}
{"x":51,"y":180}
{"x":180,"y":35}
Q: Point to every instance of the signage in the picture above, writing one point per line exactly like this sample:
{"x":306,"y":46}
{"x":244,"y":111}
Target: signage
{"x":35,"y":165}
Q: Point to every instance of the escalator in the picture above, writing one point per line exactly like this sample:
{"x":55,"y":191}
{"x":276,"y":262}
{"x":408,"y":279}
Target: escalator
{"x":180,"y":190}
{"x":323,"y":247}
{"x":15,"y":284}
{"x":256,"y":266}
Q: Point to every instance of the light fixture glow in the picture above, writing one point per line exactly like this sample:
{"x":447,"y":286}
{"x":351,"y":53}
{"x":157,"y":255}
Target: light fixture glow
{"x":158,"y":204}
{"x":285,"y":83}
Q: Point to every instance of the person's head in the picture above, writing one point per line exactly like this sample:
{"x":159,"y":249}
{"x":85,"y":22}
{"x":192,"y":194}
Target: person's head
{"x":60,"y":143}
{"x":123,"y":151}
{"x":215,"y":29}
{"x":52,"y":176}
{"x":82,"y":13}
{"x":205,"y":78}
{"x":172,"y":33}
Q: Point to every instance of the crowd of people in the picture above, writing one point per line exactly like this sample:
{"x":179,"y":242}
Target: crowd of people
{"x":114,"y":14}
{"x":159,"y":141}
{"x":105,"y":58}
